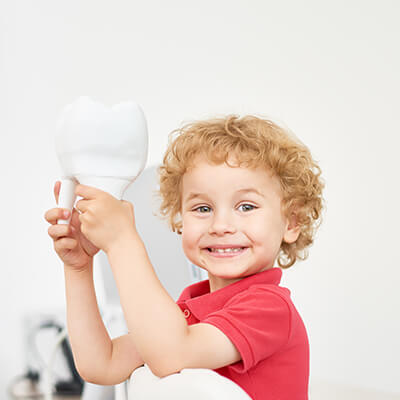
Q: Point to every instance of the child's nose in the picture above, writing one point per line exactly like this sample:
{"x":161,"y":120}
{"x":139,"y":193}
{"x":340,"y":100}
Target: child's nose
{"x":221,"y":224}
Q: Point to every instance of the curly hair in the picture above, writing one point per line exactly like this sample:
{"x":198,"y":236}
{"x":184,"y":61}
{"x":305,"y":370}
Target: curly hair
{"x":254,"y":142}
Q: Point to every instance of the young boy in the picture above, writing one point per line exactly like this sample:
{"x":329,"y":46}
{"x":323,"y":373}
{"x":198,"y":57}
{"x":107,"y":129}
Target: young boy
{"x":243,"y":193}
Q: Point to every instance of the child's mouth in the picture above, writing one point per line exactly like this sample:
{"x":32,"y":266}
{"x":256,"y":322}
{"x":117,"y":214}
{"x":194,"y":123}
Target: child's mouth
{"x":228,"y":250}
{"x":225,"y":252}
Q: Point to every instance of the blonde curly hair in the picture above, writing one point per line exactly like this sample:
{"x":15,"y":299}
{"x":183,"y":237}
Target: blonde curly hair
{"x":253,"y":142}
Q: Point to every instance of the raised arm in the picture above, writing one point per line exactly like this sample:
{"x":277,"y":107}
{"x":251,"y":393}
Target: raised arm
{"x":98,"y":359}
{"x":161,"y":334}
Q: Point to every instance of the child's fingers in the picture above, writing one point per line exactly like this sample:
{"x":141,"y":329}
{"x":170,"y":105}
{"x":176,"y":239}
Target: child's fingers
{"x":65,"y":244}
{"x":58,"y":231}
{"x":57,"y":187}
{"x":75,"y":218}
{"x":54,"y":214}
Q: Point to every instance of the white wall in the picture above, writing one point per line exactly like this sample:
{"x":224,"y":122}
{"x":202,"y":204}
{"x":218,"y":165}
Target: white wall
{"x":328,"y":70}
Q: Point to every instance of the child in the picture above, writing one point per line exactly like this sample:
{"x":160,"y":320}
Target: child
{"x":243,"y":193}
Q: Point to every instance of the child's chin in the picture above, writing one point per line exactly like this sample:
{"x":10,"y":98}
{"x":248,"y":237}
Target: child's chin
{"x":228,"y":274}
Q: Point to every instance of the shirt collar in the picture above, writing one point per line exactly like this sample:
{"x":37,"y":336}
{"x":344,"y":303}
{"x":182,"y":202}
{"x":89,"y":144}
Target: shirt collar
{"x":201,"y":302}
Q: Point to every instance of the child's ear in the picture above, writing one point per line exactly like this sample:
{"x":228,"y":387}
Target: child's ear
{"x":292,"y":229}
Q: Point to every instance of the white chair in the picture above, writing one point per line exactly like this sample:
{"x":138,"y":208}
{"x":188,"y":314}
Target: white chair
{"x":194,"y":384}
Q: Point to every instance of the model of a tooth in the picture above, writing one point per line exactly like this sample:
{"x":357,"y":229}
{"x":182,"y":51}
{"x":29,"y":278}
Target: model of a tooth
{"x":100,"y":146}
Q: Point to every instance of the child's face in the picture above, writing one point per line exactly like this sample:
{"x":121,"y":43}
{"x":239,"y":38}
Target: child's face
{"x":232,"y":220}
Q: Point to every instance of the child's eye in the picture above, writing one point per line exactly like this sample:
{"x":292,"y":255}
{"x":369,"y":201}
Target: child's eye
{"x":247,"y":207}
{"x":203,"y":209}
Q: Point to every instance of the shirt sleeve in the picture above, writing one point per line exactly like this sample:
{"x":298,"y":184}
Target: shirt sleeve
{"x":257,"y":322}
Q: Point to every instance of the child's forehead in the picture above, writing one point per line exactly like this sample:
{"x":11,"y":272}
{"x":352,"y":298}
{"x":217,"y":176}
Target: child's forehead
{"x":232,"y":161}
{"x":204,"y":172}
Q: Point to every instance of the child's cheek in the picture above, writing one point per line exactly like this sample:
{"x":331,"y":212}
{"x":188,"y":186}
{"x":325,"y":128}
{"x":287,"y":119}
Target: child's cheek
{"x":188,"y":246}
{"x":191,"y":236}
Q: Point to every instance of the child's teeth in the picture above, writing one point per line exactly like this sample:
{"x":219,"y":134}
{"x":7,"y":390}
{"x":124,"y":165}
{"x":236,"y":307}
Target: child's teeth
{"x":230,"y":250}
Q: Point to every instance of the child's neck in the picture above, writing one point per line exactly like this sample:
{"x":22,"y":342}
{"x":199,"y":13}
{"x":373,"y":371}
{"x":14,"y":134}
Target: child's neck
{"x":219,"y":283}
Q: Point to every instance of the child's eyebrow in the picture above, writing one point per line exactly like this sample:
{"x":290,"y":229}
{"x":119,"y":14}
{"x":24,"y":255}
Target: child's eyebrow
{"x":250,"y":190}
{"x":193,"y":195}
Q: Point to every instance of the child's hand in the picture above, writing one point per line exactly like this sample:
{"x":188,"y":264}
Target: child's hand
{"x":106,"y":221}
{"x":73,"y":248}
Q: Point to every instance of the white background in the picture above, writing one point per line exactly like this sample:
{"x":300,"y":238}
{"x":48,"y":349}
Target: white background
{"x":328,"y":70}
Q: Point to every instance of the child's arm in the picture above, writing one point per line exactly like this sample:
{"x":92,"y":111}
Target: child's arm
{"x":98,"y":359}
{"x":161,"y":335}
{"x":160,"y":331}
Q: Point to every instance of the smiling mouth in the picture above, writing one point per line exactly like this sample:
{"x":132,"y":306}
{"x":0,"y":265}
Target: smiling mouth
{"x":229,"y":250}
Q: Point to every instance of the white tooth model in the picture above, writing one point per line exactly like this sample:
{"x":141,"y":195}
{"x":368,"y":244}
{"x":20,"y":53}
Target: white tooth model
{"x":100,"y":146}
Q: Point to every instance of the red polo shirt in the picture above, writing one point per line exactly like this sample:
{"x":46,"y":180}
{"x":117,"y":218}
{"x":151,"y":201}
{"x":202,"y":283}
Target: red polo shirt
{"x":258,"y":316}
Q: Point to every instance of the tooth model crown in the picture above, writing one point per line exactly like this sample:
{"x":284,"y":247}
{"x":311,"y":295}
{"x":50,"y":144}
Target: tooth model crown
{"x":100,"y":146}
{"x":93,"y":139}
